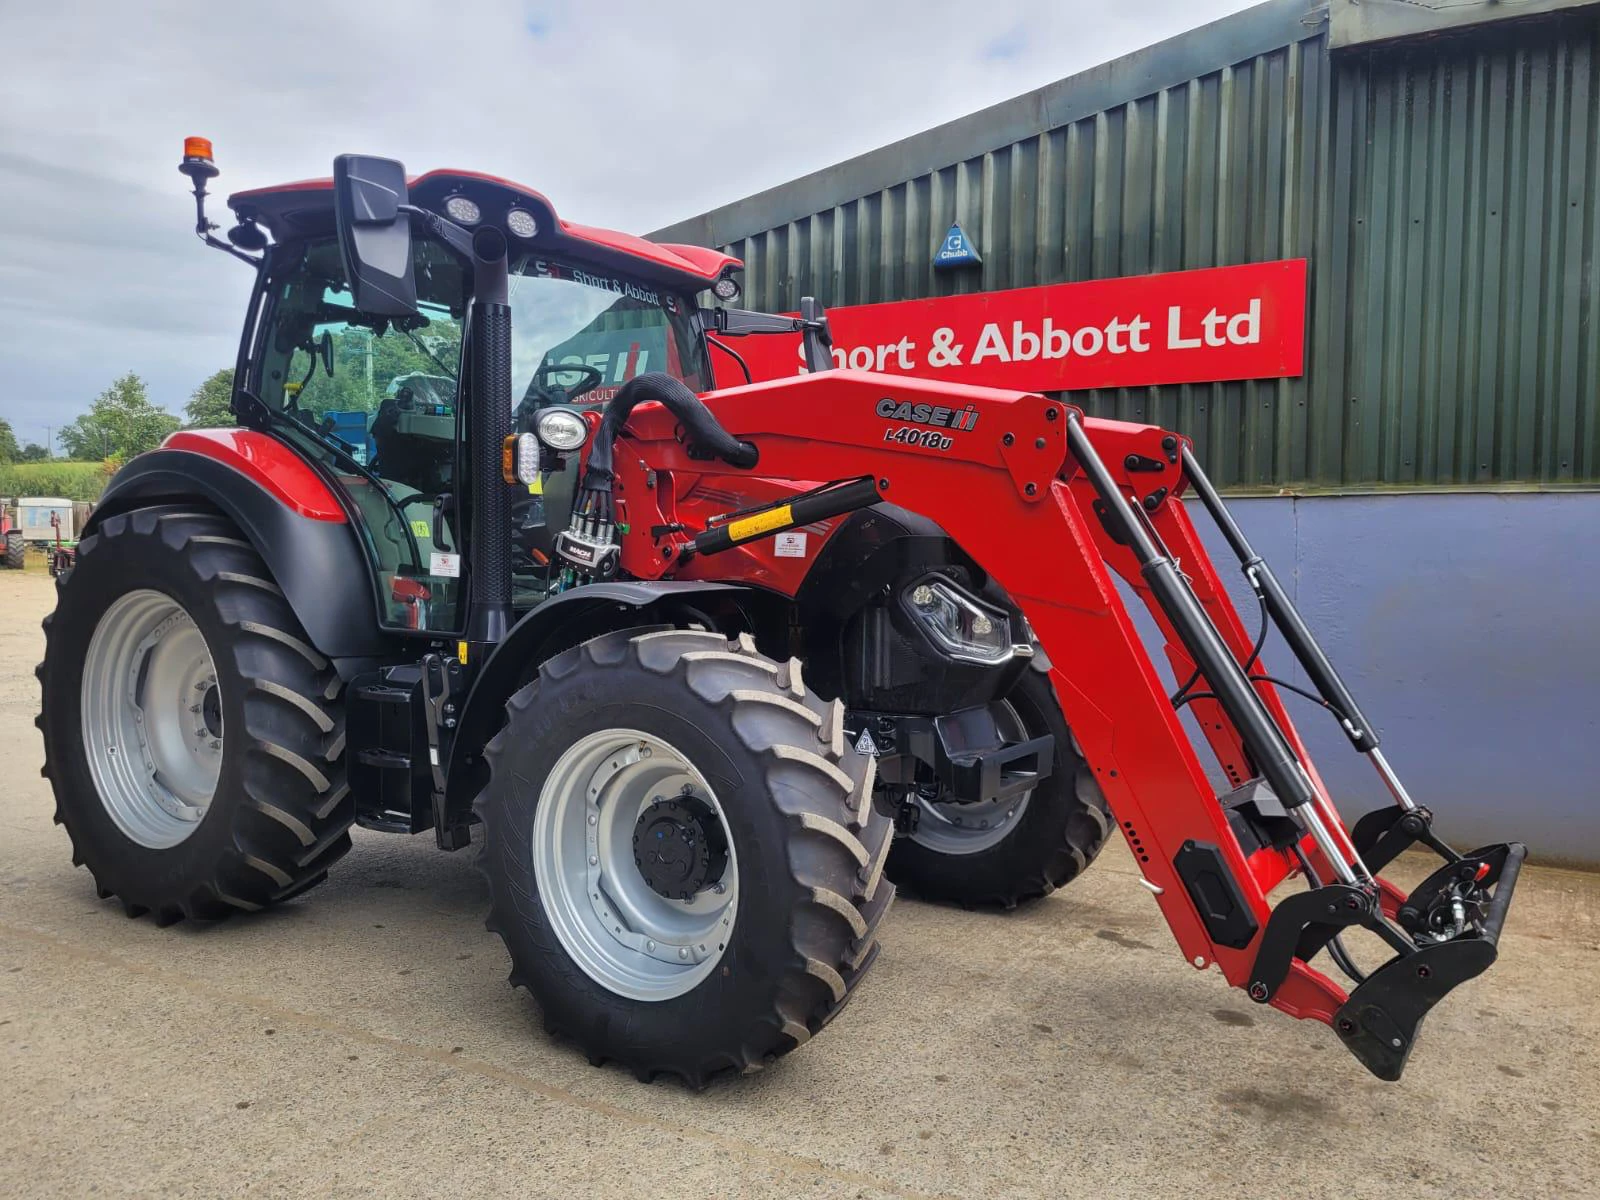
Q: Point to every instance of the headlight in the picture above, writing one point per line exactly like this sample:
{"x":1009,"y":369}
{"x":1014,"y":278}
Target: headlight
{"x":963,"y":626}
{"x":561,"y":429}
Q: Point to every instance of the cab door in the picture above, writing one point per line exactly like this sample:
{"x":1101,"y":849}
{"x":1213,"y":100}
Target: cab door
{"x":380,"y":397}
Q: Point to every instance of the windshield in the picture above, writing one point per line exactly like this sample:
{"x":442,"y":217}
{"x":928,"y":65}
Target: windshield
{"x":578,"y":335}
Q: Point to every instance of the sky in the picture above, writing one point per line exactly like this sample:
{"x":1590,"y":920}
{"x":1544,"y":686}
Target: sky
{"x":630,"y":114}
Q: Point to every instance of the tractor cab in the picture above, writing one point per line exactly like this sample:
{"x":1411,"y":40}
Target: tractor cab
{"x":375,"y":396}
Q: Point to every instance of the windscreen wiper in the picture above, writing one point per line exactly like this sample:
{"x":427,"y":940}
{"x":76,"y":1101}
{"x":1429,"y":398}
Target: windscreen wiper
{"x":420,"y":345}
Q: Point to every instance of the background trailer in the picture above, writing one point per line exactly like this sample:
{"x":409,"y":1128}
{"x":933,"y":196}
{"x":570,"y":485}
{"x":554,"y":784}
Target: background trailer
{"x":1388,"y":350}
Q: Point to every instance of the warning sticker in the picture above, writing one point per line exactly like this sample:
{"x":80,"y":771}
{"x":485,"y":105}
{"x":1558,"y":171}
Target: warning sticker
{"x":865,"y":744}
{"x":445,"y":566}
{"x":790,"y":545}
{"x":746,"y":528}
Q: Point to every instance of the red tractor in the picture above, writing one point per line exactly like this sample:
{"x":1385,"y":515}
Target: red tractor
{"x":15,"y":546}
{"x":577,"y":629}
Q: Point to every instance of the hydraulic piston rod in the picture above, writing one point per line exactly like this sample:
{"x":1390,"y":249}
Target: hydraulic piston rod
{"x":1269,"y":749}
{"x":1283,"y":613}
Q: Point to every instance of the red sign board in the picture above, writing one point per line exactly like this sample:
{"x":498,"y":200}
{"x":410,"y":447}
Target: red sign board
{"x":1245,"y":322}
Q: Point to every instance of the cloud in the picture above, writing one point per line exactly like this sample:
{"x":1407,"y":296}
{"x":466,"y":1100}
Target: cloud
{"x":630,"y":114}
{"x":1004,"y":47}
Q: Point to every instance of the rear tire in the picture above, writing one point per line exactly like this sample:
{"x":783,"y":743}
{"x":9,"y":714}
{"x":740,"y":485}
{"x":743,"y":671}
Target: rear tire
{"x":16,"y":550}
{"x":279,"y":811}
{"x":1057,"y":834}
{"x":805,"y":852}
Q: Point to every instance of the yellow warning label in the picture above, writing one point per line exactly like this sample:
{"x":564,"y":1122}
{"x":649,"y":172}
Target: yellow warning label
{"x":461,"y":652}
{"x":746,"y":528}
{"x":536,"y":486}
{"x":421,"y":528}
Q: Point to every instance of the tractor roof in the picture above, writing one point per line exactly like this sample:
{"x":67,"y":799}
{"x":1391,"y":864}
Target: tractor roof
{"x":305,"y":208}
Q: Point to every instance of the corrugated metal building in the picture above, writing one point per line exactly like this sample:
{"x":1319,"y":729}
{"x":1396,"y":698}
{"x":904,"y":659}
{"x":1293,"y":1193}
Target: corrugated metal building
{"x":1439,"y":168}
{"x":1443,"y":189}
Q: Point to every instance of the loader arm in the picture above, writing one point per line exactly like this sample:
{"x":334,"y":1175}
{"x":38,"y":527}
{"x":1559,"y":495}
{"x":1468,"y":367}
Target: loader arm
{"x":1056,"y":506}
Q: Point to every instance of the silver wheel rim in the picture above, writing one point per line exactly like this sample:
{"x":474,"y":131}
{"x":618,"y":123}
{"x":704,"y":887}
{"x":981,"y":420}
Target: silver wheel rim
{"x":152,"y":719}
{"x":626,"y":936}
{"x":951,"y":828}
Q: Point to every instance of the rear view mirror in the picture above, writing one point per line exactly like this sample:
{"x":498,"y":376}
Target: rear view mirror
{"x":374,"y":234}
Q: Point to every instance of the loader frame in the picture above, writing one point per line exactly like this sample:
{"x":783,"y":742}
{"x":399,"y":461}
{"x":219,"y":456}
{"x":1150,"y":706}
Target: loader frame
{"x":1057,"y":507}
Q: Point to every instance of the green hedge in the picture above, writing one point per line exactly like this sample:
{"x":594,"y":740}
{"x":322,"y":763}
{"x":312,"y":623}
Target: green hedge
{"x":67,"y":480}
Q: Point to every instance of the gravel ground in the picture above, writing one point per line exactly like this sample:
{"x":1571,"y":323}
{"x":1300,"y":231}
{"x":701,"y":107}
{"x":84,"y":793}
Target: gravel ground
{"x":362,"y":1041}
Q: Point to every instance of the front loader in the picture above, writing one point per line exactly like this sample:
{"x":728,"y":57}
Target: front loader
{"x":577,"y":629}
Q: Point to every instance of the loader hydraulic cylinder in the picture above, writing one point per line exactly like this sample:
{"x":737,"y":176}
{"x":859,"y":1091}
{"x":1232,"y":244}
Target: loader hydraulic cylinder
{"x":1284,"y":614}
{"x":1268,"y":748}
{"x":831,"y":501}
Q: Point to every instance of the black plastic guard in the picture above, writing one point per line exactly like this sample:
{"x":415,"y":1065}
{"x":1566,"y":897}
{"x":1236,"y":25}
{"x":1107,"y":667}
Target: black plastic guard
{"x":1216,"y":894}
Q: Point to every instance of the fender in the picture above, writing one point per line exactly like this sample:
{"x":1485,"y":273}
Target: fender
{"x":287,"y":511}
{"x":566,"y":619}
{"x":867,"y":552}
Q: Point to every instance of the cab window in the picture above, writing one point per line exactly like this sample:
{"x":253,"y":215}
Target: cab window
{"x":385,"y":392}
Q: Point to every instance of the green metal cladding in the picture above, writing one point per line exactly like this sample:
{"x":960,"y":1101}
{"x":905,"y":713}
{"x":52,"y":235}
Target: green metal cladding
{"x":1445,"y":190}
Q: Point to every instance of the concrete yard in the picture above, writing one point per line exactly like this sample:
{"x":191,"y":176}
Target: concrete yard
{"x":362,"y":1040}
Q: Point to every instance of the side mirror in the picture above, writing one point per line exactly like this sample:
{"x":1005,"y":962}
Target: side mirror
{"x":326,"y":349}
{"x":374,"y":234}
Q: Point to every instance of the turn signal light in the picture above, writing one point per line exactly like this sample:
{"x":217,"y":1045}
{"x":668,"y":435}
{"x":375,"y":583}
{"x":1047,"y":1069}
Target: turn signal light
{"x":519,"y":459}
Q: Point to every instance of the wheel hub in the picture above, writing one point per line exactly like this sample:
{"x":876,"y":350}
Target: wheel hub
{"x":679,"y":847}
{"x":152,"y":718}
{"x":646,"y":916}
{"x":211,"y":711}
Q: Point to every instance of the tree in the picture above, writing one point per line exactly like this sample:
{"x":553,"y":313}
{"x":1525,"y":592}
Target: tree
{"x":121,"y":422}
{"x":365,"y":364}
{"x":33,"y":452}
{"x":9,"y":451}
{"x":209,"y":407}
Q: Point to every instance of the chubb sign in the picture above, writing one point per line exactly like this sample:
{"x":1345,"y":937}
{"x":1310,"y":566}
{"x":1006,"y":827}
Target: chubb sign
{"x":1245,"y":322}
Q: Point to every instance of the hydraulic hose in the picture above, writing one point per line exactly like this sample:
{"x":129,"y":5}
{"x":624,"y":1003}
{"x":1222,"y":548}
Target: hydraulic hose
{"x":590,"y":541}
{"x":701,"y":429}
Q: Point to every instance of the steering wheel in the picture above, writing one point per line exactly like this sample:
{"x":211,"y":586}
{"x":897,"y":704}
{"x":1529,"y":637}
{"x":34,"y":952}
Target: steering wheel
{"x":592,"y":378}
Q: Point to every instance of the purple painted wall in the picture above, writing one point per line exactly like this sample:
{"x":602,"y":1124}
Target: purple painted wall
{"x":1468,"y":627}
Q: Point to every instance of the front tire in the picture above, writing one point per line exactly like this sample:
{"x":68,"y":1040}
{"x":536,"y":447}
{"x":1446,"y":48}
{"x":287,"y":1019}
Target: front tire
{"x":752,"y":932}
{"x":1004,"y":855}
{"x":193,"y":737}
{"x":16,"y":550}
